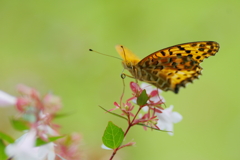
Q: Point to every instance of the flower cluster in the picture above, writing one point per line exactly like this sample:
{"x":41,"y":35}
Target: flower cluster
{"x":150,"y":113}
{"x":154,"y":115}
{"x":35,"y":115}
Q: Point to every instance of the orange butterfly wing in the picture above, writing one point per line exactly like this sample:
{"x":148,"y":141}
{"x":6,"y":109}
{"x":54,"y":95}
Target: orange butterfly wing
{"x":172,"y":67}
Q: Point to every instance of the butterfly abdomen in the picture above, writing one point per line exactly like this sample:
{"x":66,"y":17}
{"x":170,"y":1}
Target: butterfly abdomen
{"x":152,"y":76}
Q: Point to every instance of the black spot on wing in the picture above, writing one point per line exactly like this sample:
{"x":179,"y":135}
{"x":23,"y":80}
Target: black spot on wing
{"x":198,"y":57}
{"x":180,"y":48}
{"x":163,"y":53}
{"x":179,"y":55}
{"x":209,"y":43}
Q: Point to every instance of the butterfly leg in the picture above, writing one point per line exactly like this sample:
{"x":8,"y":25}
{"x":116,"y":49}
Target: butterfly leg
{"x":123,"y":76}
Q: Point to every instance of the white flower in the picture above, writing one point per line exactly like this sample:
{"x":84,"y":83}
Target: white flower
{"x":7,"y":99}
{"x":167,"y":118}
{"x":24,"y":149}
{"x":149,"y":88}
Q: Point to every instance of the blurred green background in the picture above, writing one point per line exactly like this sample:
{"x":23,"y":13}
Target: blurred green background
{"x":44,"y":44}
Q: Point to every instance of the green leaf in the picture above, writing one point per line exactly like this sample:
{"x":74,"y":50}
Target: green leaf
{"x":113,"y":136}
{"x":3,"y":156}
{"x":115,"y":114}
{"x":143,"y":98}
{"x":52,"y":139}
{"x":5,"y":137}
{"x":40,"y":142}
{"x":20,"y":125}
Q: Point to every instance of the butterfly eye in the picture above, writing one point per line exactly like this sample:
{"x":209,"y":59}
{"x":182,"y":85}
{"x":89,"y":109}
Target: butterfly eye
{"x":127,"y":64}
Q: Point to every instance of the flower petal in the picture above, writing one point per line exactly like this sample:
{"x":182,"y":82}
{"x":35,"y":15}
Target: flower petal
{"x":167,"y":118}
{"x":24,"y":149}
{"x":176,"y":117}
{"x":7,"y":99}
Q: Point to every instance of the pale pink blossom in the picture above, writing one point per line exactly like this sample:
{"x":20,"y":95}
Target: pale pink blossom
{"x":51,"y":103}
{"x":68,"y":147}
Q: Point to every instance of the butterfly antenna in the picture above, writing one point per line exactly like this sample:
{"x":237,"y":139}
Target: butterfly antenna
{"x":105,"y":54}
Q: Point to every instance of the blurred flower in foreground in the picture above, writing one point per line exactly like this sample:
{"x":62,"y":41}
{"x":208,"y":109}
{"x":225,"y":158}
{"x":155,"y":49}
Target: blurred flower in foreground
{"x":68,"y":147}
{"x":35,"y":117}
{"x":24,"y":148}
{"x":6,"y":99}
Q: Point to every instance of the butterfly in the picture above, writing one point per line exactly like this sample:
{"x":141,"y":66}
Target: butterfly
{"x":169,"y":68}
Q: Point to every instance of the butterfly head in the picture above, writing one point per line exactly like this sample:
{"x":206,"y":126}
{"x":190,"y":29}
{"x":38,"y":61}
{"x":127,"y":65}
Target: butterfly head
{"x":129,"y":59}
